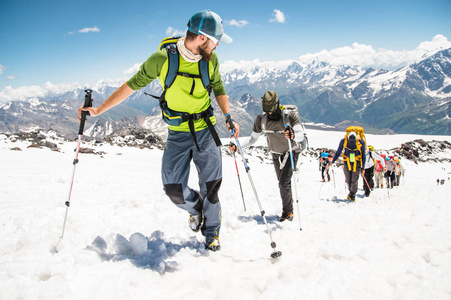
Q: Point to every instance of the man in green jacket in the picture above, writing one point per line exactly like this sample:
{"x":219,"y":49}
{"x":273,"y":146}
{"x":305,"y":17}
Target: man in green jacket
{"x":193,"y":139}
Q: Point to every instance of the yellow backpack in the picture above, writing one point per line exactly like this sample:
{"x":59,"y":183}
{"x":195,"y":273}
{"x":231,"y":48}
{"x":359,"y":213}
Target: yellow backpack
{"x":360,"y":135}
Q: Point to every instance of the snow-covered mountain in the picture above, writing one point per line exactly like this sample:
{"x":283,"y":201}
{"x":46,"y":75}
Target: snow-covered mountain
{"x":412,"y":99}
{"x":61,"y":115}
{"x":415,"y":98}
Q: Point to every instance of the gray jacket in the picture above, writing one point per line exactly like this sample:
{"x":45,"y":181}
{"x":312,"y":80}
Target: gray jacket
{"x":275,"y":137}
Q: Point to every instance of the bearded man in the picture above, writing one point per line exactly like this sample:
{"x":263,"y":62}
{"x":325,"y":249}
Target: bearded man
{"x":187,"y":109}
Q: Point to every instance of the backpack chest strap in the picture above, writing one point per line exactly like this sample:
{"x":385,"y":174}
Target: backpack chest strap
{"x":273,"y":131}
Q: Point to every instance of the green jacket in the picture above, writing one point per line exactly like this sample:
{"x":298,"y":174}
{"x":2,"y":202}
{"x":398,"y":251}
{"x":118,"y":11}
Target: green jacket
{"x":178,"y":95}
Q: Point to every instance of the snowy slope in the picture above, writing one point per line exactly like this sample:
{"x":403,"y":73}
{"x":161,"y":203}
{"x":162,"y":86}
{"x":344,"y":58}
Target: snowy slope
{"x":396,"y":247}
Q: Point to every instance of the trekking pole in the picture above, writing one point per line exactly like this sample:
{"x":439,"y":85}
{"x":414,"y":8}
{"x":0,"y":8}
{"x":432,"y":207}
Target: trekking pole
{"x":366,"y":182}
{"x":333,"y":175}
{"x":276,"y":253}
{"x":239,"y":180}
{"x":322,"y":182}
{"x":387,"y":181}
{"x":295,"y":171}
{"x":84,"y":114}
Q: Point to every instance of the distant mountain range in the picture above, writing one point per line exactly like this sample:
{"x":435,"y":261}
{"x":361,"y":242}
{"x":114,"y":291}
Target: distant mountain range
{"x":414,"y":99}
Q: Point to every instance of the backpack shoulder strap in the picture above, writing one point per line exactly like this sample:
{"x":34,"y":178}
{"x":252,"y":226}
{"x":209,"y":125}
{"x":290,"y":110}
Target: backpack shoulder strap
{"x":264,"y":120}
{"x":173,"y":64}
{"x":205,"y":74}
{"x":345,"y":142}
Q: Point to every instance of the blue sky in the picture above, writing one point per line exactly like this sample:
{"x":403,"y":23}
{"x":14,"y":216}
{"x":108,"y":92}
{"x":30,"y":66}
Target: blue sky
{"x":85,"y":41}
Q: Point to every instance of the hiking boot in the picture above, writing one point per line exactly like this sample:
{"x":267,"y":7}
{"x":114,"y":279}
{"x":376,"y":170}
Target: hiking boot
{"x":367,"y":194}
{"x":351,"y":198}
{"x":195,"y":222}
{"x":286,"y":216}
{"x":212,"y":243}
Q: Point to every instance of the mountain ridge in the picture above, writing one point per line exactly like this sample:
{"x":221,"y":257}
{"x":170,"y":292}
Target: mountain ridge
{"x":411,"y":99}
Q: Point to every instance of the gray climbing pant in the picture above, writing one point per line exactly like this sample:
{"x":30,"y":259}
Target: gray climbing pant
{"x":180,"y":150}
{"x":284,"y":172}
{"x":352,"y":178}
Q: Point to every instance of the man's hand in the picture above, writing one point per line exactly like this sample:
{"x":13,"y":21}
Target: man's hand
{"x":114,"y":99}
{"x":91,"y":112}
{"x":232,"y":125}
{"x":237,"y":129}
{"x":232,"y":147}
{"x":289,"y":133}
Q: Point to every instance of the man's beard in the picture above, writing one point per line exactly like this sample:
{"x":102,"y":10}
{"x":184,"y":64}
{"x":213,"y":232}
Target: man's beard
{"x":203,"y":51}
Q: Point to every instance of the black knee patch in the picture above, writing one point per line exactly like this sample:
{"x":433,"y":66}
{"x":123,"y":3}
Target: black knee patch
{"x":174,"y":192}
{"x":212,"y":190}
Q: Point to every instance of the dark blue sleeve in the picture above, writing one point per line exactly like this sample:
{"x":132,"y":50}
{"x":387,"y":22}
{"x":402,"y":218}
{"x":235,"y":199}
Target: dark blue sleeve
{"x":339,"y":149}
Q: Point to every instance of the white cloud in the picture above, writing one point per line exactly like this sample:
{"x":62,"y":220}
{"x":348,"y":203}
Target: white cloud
{"x":174,"y":32}
{"x":132,"y":70}
{"x":438,"y":42}
{"x":357,"y":54}
{"x":50,"y":89}
{"x":85,"y":30}
{"x":11,"y":77}
{"x":279,"y":16}
{"x":89,"y":29}
{"x":366,"y":55}
{"x":354,"y":55}
{"x":23,"y":93}
{"x":2,"y":69}
{"x":236,"y":23}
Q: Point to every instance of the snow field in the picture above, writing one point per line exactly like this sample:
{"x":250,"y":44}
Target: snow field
{"x":124,"y":239}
